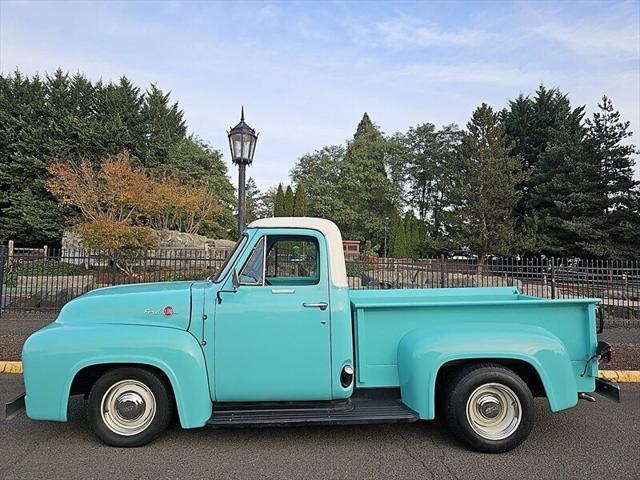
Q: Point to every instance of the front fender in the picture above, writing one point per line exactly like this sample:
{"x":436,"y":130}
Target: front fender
{"x":54,"y":355}
{"x":423,"y":351}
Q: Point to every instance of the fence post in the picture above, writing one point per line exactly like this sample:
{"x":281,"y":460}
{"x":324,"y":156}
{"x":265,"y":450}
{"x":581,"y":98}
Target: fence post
{"x":114,"y":268}
{"x":442,"y":270}
{"x":9,"y":251}
{"x":3,"y":262}
{"x":553,"y":278}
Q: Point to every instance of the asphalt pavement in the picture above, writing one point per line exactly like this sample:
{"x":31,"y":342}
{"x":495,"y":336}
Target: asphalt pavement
{"x":593,"y":440}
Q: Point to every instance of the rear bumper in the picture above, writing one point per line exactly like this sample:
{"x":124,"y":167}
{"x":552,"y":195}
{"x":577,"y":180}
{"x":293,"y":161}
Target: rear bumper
{"x":608,"y":389}
{"x":14,"y":407}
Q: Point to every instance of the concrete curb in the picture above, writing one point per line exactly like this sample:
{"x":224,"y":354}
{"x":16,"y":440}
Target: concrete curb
{"x":10,"y":367}
{"x":620,"y":376}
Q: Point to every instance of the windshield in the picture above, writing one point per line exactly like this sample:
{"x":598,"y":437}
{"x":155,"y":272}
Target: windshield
{"x":237,"y":248}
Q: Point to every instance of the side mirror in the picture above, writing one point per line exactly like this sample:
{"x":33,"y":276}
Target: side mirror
{"x":235,"y":281}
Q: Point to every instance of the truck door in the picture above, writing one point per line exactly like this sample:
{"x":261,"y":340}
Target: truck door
{"x":272,"y":337}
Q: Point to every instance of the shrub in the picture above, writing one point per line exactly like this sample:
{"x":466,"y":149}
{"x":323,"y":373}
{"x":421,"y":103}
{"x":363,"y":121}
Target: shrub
{"x":109,"y":235}
{"x":39,"y":267}
{"x":357,"y":268}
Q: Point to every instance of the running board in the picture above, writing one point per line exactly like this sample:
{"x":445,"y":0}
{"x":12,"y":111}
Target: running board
{"x":356,"y":411}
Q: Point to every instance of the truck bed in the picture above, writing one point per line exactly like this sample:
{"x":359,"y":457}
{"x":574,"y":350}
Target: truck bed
{"x":382,"y":318}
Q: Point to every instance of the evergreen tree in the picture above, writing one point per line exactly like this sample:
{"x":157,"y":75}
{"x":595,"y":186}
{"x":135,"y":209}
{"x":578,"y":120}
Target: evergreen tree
{"x":69,"y":117}
{"x":28,"y":139}
{"x":252,"y":197}
{"x":619,"y":219}
{"x":288,"y":202}
{"x":529,"y":125}
{"x":392,"y":228}
{"x":320,"y":173}
{"x":350,"y":186}
{"x":278,"y":207}
{"x":364,"y":183}
{"x":486,"y":194}
{"x":266,"y":203}
{"x":560,"y":190}
{"x":163,"y":126}
{"x":416,"y":237}
{"x":399,"y":246}
{"x":299,"y":202}
{"x":120,"y":125}
{"x":410,"y":235}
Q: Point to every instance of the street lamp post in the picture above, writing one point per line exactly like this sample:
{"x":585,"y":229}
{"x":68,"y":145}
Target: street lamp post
{"x":242,"y":143}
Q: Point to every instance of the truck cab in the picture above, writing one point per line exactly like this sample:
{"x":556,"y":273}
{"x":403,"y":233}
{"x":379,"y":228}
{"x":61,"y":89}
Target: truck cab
{"x":276,"y":337}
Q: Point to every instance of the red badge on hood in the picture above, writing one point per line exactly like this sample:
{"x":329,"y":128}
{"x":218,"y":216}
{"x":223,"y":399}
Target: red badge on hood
{"x":168,"y":310}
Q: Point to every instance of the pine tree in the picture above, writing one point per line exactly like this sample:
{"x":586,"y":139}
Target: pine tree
{"x":486,"y":190}
{"x":559,"y":194}
{"x":279,"y":208}
{"x":364,"y":184}
{"x":121,"y":125}
{"x":163,"y":125}
{"x":29,"y":136}
{"x":619,"y":219}
{"x":288,"y":202}
{"x":299,"y":202}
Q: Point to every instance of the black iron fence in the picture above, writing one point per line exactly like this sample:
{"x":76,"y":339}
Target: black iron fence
{"x":45,"y":280}
{"x":617,"y":283}
{"x":32,"y":281}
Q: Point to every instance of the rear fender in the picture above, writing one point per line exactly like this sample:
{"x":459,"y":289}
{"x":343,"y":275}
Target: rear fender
{"x":52,"y":357}
{"x":423,"y":351}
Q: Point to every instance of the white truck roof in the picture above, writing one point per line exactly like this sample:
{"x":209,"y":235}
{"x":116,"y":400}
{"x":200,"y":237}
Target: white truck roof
{"x":330,"y":231}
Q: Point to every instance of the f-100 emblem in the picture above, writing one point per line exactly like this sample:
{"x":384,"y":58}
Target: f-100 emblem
{"x":166,"y":311}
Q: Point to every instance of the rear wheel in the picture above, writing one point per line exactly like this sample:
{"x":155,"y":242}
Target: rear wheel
{"x":129,"y":407}
{"x":489,"y":407}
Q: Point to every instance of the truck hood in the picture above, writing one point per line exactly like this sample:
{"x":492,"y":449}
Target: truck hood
{"x":165,"y":304}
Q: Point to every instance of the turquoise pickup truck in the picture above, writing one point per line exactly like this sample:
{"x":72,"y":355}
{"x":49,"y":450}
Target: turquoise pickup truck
{"x":277,"y":338}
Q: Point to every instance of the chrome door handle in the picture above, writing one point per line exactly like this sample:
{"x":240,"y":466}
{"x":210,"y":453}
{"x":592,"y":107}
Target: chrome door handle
{"x":321,"y":305}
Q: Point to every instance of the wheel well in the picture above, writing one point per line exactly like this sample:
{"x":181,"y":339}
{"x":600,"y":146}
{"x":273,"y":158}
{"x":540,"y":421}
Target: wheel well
{"x":523,"y":369}
{"x":87,"y":377}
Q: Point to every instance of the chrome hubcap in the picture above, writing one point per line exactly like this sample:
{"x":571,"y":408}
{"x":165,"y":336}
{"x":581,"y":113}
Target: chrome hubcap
{"x":128,"y":407}
{"x":494,"y":411}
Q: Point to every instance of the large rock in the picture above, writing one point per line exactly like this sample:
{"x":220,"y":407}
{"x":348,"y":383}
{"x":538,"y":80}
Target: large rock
{"x":168,"y":239}
{"x":50,"y":285}
{"x":171,"y":244}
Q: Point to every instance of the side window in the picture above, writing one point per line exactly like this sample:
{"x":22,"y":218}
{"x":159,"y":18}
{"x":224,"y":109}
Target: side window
{"x":253,"y":271}
{"x":292,"y":260}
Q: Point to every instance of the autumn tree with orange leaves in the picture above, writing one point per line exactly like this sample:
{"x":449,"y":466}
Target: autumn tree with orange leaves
{"x":122,"y":204}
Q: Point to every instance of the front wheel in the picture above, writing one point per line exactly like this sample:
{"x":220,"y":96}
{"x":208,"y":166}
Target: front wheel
{"x":489,"y":407}
{"x":129,"y":407}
